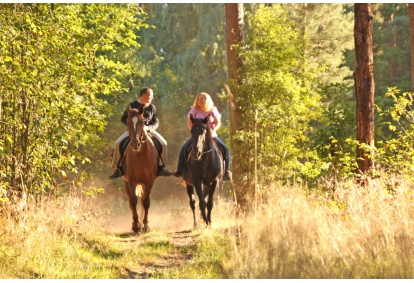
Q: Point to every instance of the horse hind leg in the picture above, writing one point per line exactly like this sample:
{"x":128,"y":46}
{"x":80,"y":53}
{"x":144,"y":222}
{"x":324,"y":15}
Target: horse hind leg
{"x":191,"y":196}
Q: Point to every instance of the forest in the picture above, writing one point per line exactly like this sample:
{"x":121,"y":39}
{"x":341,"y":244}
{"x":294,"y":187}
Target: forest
{"x":289,"y":116}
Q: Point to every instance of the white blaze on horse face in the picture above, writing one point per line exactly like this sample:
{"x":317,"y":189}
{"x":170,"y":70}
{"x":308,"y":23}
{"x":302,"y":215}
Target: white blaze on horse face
{"x":135,"y":121}
{"x":200,"y":144}
{"x":135,"y":143}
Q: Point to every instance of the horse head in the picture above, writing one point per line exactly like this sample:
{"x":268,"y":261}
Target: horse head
{"x":135,"y":122}
{"x":200,"y":131}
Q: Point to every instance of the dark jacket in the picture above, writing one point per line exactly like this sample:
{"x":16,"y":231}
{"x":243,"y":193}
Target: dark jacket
{"x":149,"y":112}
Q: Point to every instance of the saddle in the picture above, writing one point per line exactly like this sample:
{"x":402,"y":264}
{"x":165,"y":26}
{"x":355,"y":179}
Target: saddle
{"x":124,"y":144}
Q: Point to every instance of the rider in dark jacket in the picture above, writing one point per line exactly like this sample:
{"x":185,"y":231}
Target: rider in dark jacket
{"x":150,"y":113}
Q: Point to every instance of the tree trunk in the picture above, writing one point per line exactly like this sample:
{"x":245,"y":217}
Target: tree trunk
{"x":411,"y":13}
{"x":234,"y":35}
{"x":364,"y":82}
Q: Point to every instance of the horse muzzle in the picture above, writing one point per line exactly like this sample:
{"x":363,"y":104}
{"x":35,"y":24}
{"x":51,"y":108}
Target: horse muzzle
{"x":195,"y":154}
{"x":135,"y":145}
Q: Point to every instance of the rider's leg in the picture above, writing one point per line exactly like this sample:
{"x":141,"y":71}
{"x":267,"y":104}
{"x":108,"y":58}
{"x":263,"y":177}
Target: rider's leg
{"x":161,"y":171}
{"x":227,"y":173}
{"x":181,"y":160}
{"x":117,"y":158}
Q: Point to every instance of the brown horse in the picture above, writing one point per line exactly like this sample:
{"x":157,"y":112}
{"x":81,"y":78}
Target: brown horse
{"x":141,"y":168}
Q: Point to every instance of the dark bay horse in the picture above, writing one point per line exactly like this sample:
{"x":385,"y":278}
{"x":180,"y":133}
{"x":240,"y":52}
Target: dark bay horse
{"x":204,"y":169}
{"x":141,"y":168}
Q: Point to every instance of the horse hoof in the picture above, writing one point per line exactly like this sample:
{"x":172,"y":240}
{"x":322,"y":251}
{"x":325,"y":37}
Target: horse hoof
{"x":146,"y":229}
{"x":136,"y":229}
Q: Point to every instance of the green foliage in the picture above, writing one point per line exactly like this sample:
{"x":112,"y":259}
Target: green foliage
{"x":391,"y":156}
{"x":277,"y":86}
{"x":329,"y":30}
{"x":180,"y":57}
{"x":396,"y":154}
{"x":57,"y":72}
{"x":392,"y":48}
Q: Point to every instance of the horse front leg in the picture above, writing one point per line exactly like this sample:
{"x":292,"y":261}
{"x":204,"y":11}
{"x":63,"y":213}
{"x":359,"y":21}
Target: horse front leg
{"x":145,"y":203}
{"x":133,"y":201}
{"x":201,"y":201}
{"x":191,"y":196}
{"x":214,"y":185}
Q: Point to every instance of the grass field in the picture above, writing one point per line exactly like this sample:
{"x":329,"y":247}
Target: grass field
{"x":350,"y":232}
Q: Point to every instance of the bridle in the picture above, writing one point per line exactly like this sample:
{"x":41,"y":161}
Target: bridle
{"x":136,"y":142}
{"x":135,"y":121}
{"x":202,"y":140}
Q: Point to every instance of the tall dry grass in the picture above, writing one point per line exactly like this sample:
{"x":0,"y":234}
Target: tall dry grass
{"x":351,"y":232}
{"x":52,"y":238}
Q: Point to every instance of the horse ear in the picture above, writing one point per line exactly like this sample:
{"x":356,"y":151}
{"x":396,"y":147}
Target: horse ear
{"x":129,"y":109}
{"x":205,"y":120}
{"x":192,"y":118}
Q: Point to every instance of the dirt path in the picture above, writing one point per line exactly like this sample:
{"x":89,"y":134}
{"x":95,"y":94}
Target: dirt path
{"x":170,"y":217}
{"x":182,"y":241}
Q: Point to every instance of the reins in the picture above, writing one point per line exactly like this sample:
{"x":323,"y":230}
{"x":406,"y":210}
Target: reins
{"x":211,"y":149}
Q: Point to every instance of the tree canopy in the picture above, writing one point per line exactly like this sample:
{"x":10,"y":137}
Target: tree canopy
{"x":69,"y":70}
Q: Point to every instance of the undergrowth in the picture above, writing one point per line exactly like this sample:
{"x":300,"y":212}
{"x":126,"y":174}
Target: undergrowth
{"x":347,"y":231}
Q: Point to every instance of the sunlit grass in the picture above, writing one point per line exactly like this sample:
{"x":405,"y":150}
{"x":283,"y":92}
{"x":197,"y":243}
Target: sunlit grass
{"x":70,"y":238}
{"x":347,"y":232}
{"x":54,"y":238}
{"x":352,"y":232}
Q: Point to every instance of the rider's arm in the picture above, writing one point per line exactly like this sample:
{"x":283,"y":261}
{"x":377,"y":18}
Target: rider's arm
{"x":189,"y":123}
{"x":217,"y":123}
{"x":125,"y":116}
{"x":154,"y":122}
{"x":217,"y":119}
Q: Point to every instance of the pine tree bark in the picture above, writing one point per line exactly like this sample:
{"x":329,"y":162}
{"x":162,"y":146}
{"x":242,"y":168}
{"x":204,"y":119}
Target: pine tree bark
{"x":411,"y":13}
{"x":234,"y":35}
{"x":364,"y":82}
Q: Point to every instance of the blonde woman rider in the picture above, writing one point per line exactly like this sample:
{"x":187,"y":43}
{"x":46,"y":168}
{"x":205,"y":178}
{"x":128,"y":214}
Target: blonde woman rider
{"x":202,"y":107}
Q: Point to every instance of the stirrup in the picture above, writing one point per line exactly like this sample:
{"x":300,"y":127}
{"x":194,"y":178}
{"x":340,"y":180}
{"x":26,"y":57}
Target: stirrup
{"x":227,"y":176}
{"x":177,"y":173}
{"x":116,"y":174}
{"x":163,"y":172}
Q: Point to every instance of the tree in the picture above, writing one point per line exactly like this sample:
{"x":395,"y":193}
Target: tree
{"x":364,"y":84}
{"x":411,"y":13}
{"x":56,"y":74}
{"x":181,"y":57}
{"x":234,"y":36}
{"x":392,"y":49}
{"x":275,"y":85}
{"x":326,"y":31}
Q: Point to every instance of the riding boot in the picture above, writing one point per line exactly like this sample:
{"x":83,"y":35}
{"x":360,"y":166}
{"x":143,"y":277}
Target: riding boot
{"x":116,"y":174}
{"x":163,"y":172}
{"x":227,"y":175}
{"x":177,"y":172}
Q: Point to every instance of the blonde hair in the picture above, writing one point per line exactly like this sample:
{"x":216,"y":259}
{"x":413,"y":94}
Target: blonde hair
{"x":209,"y":101}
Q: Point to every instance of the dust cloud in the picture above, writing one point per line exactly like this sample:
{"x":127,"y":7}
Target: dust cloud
{"x":169,"y":210}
